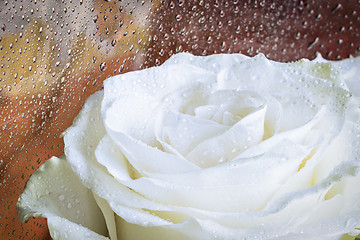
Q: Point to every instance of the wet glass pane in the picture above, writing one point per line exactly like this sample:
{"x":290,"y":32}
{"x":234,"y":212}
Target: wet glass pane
{"x":54,"y":54}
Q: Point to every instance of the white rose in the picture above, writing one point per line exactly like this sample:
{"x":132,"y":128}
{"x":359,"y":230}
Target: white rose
{"x":217,"y":147}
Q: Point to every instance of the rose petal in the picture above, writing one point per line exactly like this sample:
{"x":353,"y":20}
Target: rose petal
{"x":188,"y":229}
{"x":227,"y":184}
{"x":80,"y":144}
{"x":183,"y":132}
{"x":338,"y":224}
{"x":146,"y":159}
{"x":301,"y":94}
{"x":305,"y":217}
{"x":237,"y":103}
{"x":298,"y":135}
{"x":350,"y":72}
{"x":62,"y":228}
{"x":344,"y":148}
{"x":109,"y":216}
{"x":110,"y":156}
{"x":288,"y":225}
{"x":54,"y":192}
{"x":131,"y":99}
{"x":252,"y":170}
{"x":244,"y":134}
{"x":272,"y":117}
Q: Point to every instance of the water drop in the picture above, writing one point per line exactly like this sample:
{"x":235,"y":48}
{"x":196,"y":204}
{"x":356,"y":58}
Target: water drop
{"x":222,"y":46}
{"x":312,"y":43}
{"x":336,"y":8}
{"x":121,"y":68}
{"x":102,"y":66}
{"x":178,"y":17}
{"x":96,"y":17}
{"x":222,"y":13}
{"x":202,"y":20}
{"x":61,"y":197}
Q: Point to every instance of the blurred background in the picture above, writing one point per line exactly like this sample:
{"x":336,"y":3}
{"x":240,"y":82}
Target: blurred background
{"x":55,"y":53}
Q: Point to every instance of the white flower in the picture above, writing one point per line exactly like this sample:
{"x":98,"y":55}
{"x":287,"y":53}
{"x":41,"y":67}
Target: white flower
{"x":217,"y":147}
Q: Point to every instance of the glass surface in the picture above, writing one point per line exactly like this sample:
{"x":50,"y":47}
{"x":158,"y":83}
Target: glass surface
{"x":54,"y":54}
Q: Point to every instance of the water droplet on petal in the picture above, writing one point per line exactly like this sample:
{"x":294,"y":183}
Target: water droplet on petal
{"x":61,"y":197}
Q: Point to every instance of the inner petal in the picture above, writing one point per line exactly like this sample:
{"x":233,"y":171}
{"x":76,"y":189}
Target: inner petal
{"x":244,"y":134}
{"x":183,"y":132}
{"x":147,"y":159}
{"x":232,"y":105}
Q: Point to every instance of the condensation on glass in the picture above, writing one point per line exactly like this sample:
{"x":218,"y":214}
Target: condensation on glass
{"x":54,"y":54}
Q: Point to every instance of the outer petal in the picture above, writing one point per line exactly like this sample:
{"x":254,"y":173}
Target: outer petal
{"x":349,"y":71}
{"x":81,"y":141}
{"x":300,"y":93}
{"x":109,"y":216}
{"x":55,"y":192}
{"x":189,"y":230}
{"x":63,"y":229}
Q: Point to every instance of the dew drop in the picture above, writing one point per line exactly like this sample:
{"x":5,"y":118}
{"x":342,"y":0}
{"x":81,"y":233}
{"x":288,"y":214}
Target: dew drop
{"x":62,"y":198}
{"x":178,"y":17}
{"x":171,"y":4}
{"x":96,"y":17}
{"x":222,"y":13}
{"x":222,"y":46}
{"x":102,"y":66}
{"x":121,"y":68}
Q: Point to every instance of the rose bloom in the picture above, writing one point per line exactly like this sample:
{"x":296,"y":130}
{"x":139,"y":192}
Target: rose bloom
{"x":216,"y":147}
